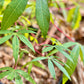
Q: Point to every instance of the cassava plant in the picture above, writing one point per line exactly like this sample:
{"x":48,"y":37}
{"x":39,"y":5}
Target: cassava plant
{"x":12,"y":13}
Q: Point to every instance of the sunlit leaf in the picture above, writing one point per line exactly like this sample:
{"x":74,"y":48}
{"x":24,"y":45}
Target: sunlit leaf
{"x":82,"y":53}
{"x":1,"y":3}
{"x":62,"y":69}
{"x":74,"y":54}
{"x":70,"y":15}
{"x":30,"y":68}
{"x":76,"y":18}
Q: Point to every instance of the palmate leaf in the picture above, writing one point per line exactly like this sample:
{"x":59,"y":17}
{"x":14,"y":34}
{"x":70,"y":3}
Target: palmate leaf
{"x":2,"y":40}
{"x":74,"y":55}
{"x":51,"y":68}
{"x":15,"y":44}
{"x":26,"y":76}
{"x":26,"y":42}
{"x":14,"y":9}
{"x":11,"y":75}
{"x":42,"y":16}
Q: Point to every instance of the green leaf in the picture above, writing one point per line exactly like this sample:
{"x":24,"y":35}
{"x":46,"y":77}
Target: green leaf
{"x":82,"y":53}
{"x":1,"y":3}
{"x":14,"y":9}
{"x":55,"y":4}
{"x":21,"y":54}
{"x":26,"y":42}
{"x":76,"y":18}
{"x":52,"y":52}
{"x":62,"y":69}
{"x":15,"y":44}
{"x":61,"y":47}
{"x":11,"y":75}
{"x":30,"y":68}
{"x":5,"y":31}
{"x":47,"y":49}
{"x":74,"y":54}
{"x":39,"y":58}
{"x":3,"y":74}
{"x":38,"y":65}
{"x":18,"y":79}
{"x":70,"y":15}
{"x":26,"y":76}
{"x":26,"y":64}
{"x":2,"y":40}
{"x":77,"y":24}
{"x":6,"y":68}
{"x":63,"y":9}
{"x":64,"y":53}
{"x":51,"y":68}
{"x":69,"y":44}
{"x":42,"y":16}
{"x":25,"y":31}
{"x":62,"y":63}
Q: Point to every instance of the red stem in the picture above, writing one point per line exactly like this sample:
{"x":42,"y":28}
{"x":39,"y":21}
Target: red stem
{"x":63,"y":33}
{"x":38,"y":52}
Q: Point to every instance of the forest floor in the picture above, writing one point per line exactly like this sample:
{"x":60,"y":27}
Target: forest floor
{"x":42,"y":76}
